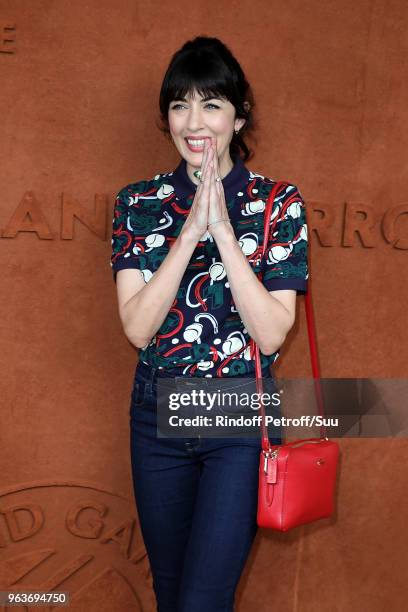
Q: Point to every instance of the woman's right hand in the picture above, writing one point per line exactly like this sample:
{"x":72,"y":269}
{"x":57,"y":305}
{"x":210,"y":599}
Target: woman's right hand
{"x":197,"y":220}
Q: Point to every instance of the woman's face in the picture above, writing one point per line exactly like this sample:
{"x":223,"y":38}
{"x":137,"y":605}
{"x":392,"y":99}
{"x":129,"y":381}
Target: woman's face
{"x":194,"y":118}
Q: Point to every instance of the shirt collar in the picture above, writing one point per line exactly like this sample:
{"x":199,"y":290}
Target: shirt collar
{"x":233,"y":182}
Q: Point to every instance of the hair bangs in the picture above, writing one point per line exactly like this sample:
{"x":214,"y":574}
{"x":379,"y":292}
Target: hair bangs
{"x":192,"y":76}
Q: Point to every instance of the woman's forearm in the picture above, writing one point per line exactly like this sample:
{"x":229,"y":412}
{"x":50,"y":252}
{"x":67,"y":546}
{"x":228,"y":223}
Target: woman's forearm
{"x":145,"y":312}
{"x":265,"y":318}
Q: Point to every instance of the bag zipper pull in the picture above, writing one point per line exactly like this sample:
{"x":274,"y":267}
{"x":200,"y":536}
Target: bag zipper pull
{"x":266,"y":464}
{"x":271,"y":466}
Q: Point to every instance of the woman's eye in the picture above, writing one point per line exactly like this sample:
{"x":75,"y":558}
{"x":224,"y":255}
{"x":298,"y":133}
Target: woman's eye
{"x":176,"y":106}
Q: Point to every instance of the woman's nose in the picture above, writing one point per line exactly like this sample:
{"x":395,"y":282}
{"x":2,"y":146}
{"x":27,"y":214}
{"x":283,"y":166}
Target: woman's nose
{"x":194,"y":119}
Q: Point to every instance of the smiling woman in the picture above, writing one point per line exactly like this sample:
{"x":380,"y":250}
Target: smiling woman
{"x":204,"y":77}
{"x":197,"y":120}
{"x":187,"y":246}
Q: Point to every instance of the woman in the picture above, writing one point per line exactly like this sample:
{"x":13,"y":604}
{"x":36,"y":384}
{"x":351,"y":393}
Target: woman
{"x":186,"y":249}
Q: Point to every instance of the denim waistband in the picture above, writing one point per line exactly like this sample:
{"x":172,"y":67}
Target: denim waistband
{"x":150,"y":373}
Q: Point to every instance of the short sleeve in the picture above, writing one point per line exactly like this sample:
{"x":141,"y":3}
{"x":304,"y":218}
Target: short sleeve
{"x":287,"y":251}
{"x":124,"y":249}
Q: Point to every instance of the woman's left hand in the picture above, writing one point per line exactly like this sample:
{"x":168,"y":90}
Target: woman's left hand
{"x":218,"y":207}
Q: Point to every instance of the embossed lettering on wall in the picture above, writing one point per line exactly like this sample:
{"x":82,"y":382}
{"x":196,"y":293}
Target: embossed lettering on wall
{"x":29,"y":217}
{"x":76,"y":537}
{"x":356,"y":225}
{"x":7,"y":37}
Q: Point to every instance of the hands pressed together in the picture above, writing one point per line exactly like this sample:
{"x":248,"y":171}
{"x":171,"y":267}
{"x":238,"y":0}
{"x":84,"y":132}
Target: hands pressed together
{"x":209,"y":209}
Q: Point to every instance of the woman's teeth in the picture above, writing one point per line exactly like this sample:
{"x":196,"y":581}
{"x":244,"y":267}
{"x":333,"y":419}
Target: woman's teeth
{"x":196,"y":143}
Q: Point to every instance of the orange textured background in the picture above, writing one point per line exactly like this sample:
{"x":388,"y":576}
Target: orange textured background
{"x":79,"y":103}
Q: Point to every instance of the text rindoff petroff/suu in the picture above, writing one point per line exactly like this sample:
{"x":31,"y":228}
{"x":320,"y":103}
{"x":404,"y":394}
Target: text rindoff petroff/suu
{"x":254,"y":420}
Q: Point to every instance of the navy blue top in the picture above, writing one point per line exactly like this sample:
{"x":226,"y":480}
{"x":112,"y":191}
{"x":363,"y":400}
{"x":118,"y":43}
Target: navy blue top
{"x":203,"y":334}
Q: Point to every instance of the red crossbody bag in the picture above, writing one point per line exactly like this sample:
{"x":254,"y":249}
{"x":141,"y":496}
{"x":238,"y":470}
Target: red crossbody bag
{"x":296,"y":479}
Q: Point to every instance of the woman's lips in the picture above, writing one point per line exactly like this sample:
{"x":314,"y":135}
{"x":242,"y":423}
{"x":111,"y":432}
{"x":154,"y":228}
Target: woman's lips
{"x":196,"y":149}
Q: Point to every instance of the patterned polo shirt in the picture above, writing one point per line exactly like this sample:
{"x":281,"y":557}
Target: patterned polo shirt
{"x":203,"y":334}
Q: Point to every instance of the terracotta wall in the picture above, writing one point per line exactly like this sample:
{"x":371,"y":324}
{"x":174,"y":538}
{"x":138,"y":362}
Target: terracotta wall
{"x":79,"y":89}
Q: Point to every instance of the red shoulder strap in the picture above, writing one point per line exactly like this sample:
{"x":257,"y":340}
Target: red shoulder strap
{"x":268,"y":228}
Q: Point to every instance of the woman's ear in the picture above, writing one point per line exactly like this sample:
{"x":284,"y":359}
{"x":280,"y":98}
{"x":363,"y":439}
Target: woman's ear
{"x":239,"y":123}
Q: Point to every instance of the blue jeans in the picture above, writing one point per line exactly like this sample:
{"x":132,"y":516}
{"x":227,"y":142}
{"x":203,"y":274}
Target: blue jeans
{"x":197,"y":504}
